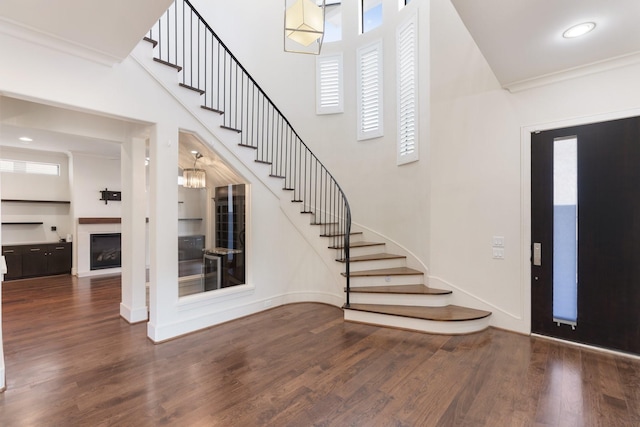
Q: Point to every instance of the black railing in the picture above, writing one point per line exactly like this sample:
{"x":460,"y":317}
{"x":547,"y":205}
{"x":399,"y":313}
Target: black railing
{"x":186,"y":41}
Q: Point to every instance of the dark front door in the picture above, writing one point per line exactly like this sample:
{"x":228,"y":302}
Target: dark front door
{"x":585,"y":229}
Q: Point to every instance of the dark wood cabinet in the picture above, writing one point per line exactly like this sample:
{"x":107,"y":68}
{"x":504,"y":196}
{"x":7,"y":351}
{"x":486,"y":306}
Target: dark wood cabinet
{"x":45,"y":259}
{"x":34,"y":261}
{"x":13,"y":257}
{"x":59,"y":258}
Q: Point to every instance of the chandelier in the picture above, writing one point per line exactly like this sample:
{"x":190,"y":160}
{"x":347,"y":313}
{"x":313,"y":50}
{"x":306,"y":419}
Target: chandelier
{"x":303,"y":26}
{"x":194,"y":177}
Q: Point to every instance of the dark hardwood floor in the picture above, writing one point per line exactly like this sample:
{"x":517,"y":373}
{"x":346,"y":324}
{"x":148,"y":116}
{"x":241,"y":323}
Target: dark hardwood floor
{"x":71,"y":361}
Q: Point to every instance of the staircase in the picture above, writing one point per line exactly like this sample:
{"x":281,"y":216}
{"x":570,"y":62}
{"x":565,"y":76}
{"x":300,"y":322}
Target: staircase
{"x":380,"y":288}
{"x":385,"y":292}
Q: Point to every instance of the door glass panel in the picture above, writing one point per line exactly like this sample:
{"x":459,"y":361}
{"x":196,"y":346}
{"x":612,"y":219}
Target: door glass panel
{"x":565,"y":227}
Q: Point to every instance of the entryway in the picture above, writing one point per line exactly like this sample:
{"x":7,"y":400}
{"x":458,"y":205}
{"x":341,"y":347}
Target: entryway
{"x":585,"y":233}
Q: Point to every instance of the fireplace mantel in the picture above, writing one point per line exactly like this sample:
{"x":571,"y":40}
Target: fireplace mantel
{"x":99,"y":220}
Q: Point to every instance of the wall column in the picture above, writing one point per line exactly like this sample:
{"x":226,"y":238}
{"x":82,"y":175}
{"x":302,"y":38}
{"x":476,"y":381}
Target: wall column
{"x":163,"y":227}
{"x":133,"y":307}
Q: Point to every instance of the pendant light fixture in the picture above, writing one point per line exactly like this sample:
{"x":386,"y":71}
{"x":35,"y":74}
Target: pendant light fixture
{"x":303,"y":26}
{"x":194,"y":177}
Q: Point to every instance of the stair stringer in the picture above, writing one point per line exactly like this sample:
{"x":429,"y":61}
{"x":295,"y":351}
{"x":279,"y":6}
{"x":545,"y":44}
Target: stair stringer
{"x":392,"y":246}
{"x":459,"y":296}
{"x":168,"y":79}
{"x":499,"y":318}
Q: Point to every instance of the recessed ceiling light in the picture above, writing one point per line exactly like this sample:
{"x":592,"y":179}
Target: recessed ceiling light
{"x":25,"y":139}
{"x":194,"y":152}
{"x":579,"y":30}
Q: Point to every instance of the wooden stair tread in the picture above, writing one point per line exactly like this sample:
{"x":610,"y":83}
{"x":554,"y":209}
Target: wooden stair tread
{"x":448,"y":313}
{"x":398,"y":271}
{"x":400,"y":289}
{"x":169,"y":64}
{"x":357,"y":245}
{"x":373,"y":257}
{"x":193,"y":88}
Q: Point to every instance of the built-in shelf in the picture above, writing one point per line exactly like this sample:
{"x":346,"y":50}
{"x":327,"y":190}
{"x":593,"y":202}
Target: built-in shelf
{"x":21,"y":223}
{"x":63,"y":202}
{"x":189,"y":219}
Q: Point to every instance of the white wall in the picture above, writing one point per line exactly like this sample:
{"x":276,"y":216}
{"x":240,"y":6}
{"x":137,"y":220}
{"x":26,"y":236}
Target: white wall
{"x":35,"y":187}
{"x":92,"y":174}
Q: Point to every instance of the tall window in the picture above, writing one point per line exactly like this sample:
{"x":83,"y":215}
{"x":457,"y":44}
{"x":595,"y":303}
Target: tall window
{"x":371,"y":14}
{"x":22,"y":166}
{"x":332,"y":21}
{"x":565,"y":226}
{"x":329,"y":87}
{"x":370,"y":91}
{"x":407,"y":91}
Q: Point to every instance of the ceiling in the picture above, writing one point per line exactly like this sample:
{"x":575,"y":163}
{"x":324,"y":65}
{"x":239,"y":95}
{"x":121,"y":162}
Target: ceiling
{"x":104,"y":31}
{"x":523,"y":44}
{"x":62,"y":130}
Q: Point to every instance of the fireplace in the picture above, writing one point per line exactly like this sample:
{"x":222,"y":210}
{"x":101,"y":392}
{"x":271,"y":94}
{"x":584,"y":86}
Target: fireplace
{"x":105,"y":251}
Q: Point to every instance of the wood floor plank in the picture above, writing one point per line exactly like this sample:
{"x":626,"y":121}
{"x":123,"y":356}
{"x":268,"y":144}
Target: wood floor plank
{"x":71,"y":360}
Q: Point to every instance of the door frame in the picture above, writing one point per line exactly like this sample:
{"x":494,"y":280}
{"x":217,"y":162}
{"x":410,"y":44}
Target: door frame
{"x":525,"y":191}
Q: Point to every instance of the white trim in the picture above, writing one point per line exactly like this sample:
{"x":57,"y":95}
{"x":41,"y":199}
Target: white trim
{"x":572,"y":73}
{"x":370,"y":84}
{"x":52,"y":41}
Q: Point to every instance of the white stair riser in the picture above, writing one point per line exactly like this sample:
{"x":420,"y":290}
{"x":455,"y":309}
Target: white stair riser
{"x":399,"y":299}
{"x":365,"y":250}
{"x":378,"y":264}
{"x":410,"y":279}
{"x":340,"y":239}
{"x":328,"y":228}
{"x":430,"y":326}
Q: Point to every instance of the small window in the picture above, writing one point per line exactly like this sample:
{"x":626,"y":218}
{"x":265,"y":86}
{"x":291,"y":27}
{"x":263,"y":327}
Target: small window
{"x":329,"y":87}
{"x":407,"y":91}
{"x":21,"y":166}
{"x":370,"y":105}
{"x":371,"y":14}
{"x":332,"y":21}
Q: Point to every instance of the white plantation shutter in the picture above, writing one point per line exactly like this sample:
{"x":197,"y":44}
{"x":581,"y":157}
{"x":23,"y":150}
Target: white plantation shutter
{"x":407,"y":90}
{"x":329,"y":88}
{"x":370,"y":91}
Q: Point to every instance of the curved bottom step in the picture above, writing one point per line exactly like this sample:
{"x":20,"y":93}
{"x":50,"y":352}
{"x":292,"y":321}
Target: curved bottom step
{"x":450,"y":319}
